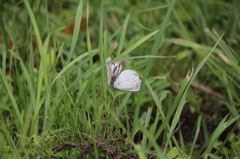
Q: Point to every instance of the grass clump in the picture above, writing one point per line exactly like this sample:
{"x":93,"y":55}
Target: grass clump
{"x":55,"y":100}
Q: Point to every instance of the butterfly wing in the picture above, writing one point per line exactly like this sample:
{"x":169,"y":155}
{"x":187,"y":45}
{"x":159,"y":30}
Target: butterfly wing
{"x":117,"y":67}
{"x":109,"y":70}
{"x":128,"y":80}
{"x":113,"y":70}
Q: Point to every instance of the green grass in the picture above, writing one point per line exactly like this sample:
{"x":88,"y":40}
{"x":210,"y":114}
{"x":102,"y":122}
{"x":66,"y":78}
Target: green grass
{"x":55,"y":101}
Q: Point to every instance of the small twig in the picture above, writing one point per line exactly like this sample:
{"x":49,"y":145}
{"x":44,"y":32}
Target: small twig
{"x":205,"y":89}
{"x":177,"y":127}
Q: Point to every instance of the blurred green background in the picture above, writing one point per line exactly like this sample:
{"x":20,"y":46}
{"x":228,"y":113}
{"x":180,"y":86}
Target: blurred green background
{"x":54,"y":97}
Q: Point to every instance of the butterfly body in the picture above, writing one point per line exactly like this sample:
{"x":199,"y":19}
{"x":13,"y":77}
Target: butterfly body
{"x":127,"y":80}
{"x":114,"y":77}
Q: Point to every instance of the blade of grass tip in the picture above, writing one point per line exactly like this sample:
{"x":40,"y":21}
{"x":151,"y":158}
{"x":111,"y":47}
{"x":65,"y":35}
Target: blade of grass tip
{"x":196,"y":135}
{"x":118,"y":31}
{"x":76,"y":29}
{"x":154,"y":51}
{"x":124,"y":29}
{"x":135,"y":20}
{"x":138,"y":43}
{"x":214,"y":35}
{"x":110,"y":50}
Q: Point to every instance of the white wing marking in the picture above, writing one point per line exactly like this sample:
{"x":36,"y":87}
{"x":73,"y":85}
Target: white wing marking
{"x":128,"y":80}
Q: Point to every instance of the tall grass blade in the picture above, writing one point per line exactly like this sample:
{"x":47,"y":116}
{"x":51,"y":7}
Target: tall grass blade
{"x":154,"y":51}
{"x":76,"y":29}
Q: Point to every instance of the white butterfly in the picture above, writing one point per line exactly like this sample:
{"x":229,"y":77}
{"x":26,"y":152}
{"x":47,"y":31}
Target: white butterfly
{"x":127,"y":80}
